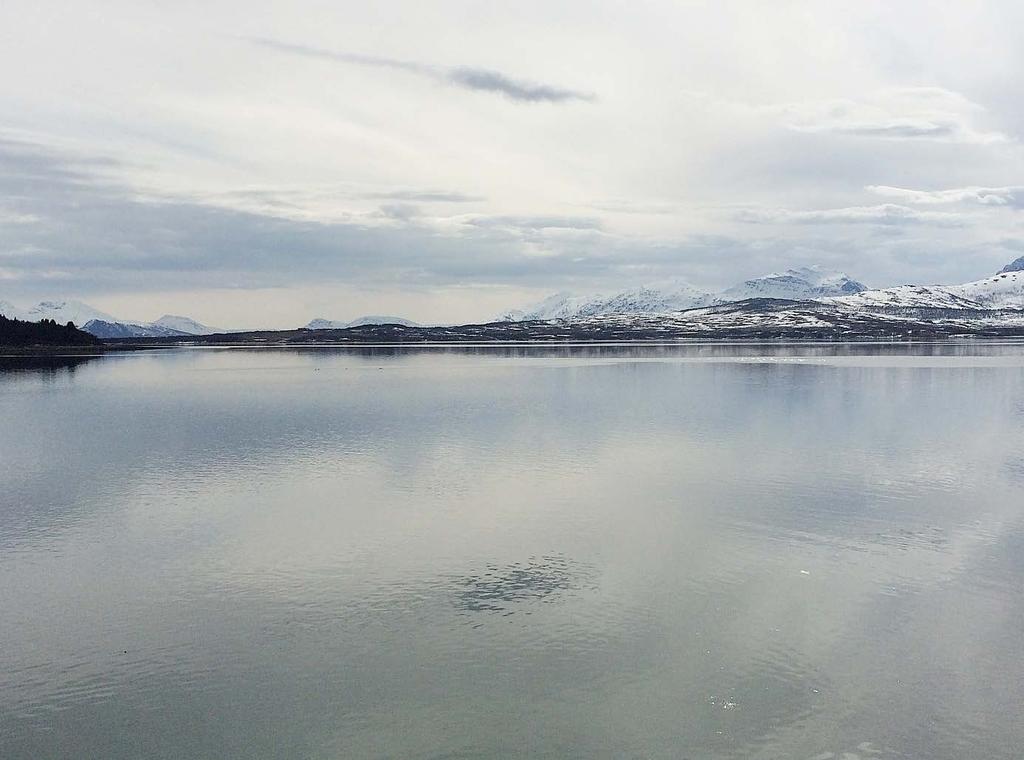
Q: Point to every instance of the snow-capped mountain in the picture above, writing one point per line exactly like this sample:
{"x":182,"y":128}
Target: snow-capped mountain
{"x":674,"y":295}
{"x":1014,"y":266}
{"x":168,"y":326}
{"x":185,"y":325}
{"x":1001,"y":291}
{"x":330,"y":324}
{"x":794,"y":284}
{"x":103,"y":325}
{"x":60,"y":312}
{"x":104,"y":329}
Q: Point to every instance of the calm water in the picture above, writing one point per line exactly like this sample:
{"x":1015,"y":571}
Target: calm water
{"x":699,"y":552}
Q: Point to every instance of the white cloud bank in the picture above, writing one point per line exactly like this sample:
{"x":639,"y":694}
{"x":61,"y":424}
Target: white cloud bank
{"x":898,"y":113}
{"x":886,"y":213}
{"x":986,"y":196}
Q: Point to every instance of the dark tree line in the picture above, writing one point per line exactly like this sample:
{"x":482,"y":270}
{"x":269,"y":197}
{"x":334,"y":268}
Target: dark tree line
{"x":46,"y":332}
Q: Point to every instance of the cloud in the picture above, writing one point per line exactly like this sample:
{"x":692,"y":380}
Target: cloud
{"x":897,"y":128}
{"x":400,"y":212}
{"x":885,"y":214}
{"x":11,"y":217}
{"x":466,"y":77}
{"x":94,"y":235}
{"x":541,"y":222}
{"x":426,"y":196}
{"x":493,"y":81}
{"x":331,"y":202}
{"x":899,"y":113}
{"x":621,"y":206}
{"x":97,"y":235}
{"x":1012,"y":195}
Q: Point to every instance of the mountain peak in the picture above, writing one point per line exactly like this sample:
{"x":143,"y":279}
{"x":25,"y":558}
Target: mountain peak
{"x":66,"y":311}
{"x":1014,"y":266}
{"x":185,"y":325}
{"x":795,"y":284}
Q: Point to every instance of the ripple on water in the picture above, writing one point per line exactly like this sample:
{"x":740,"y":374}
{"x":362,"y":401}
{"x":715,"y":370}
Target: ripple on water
{"x":501,"y":588}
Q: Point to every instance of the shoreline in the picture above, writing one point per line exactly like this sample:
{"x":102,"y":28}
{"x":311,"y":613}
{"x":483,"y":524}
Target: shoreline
{"x":144,"y":344}
{"x":16,"y":351}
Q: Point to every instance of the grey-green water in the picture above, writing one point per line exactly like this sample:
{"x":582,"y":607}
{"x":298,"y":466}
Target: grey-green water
{"x":695,"y":552}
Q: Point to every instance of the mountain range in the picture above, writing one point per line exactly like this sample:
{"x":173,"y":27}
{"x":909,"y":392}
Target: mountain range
{"x":103,"y":325}
{"x":806,"y":302}
{"x":1004,"y":290}
{"x":675,"y":295}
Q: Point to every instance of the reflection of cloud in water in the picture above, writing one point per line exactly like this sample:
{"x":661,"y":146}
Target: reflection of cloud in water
{"x":498,"y":587}
{"x":904,"y":539}
{"x":1015,"y":469}
{"x":864,"y":750}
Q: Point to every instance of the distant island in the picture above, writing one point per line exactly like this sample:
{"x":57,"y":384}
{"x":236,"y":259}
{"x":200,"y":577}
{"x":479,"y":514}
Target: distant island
{"x":45,"y":333}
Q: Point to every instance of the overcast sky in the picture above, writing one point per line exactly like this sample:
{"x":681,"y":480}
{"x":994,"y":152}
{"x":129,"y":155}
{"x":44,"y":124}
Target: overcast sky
{"x":263,"y":163}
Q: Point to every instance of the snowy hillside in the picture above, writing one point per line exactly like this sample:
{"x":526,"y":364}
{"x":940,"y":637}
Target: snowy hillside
{"x":671,"y":296}
{"x":771,"y":319}
{"x":557,"y":306}
{"x":794,"y":284}
{"x":1001,"y":291}
{"x":648,"y":299}
{"x":1004,"y":291}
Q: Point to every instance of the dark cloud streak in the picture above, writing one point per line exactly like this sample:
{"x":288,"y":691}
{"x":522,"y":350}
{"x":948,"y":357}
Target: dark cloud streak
{"x":466,"y":77}
{"x":493,"y":81}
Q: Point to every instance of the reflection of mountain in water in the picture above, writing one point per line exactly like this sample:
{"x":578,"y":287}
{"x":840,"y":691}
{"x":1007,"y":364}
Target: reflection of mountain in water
{"x":539,"y":578}
{"x":42,"y":364}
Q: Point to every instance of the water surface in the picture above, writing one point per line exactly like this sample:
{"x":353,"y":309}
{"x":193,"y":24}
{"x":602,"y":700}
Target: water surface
{"x":549,"y":552}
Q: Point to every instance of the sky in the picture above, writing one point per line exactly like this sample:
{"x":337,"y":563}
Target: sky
{"x":259,"y":164}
